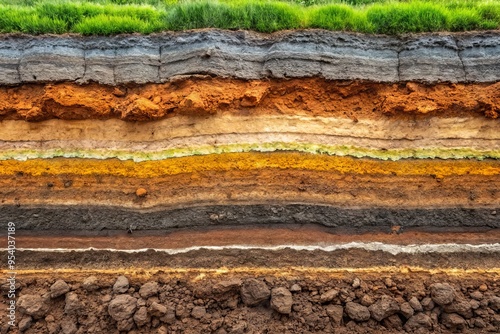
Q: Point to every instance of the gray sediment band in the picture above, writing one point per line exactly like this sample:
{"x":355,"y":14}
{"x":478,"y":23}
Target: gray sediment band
{"x":158,"y":58}
{"x":102,"y":218}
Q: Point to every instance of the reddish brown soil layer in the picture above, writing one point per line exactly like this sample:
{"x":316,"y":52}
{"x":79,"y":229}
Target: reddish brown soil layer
{"x":298,"y":235}
{"x":204,"y":95}
{"x":251,"y":186}
{"x":204,"y":302}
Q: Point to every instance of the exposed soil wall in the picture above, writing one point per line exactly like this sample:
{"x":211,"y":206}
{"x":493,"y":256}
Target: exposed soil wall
{"x":132,"y":136}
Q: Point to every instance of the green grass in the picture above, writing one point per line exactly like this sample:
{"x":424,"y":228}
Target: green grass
{"x":407,"y":17}
{"x":107,"y":17}
{"x":339,"y":17}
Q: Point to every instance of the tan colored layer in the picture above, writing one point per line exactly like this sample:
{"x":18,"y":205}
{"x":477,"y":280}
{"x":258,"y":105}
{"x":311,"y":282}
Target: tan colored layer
{"x":206,"y":95}
{"x":262,"y":185}
{"x":387,"y":138}
{"x":250,"y":236}
{"x":194,"y":130}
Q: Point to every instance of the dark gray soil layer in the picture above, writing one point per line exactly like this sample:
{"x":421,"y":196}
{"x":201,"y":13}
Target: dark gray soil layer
{"x":464,"y":57}
{"x":102,"y":218}
{"x":260,"y":258}
{"x":256,"y":303}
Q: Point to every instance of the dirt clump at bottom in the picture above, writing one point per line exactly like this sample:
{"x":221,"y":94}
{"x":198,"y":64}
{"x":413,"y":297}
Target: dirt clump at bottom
{"x":255,"y":301}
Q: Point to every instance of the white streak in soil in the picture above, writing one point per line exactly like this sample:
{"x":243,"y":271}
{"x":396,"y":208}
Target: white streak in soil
{"x":369,"y":246}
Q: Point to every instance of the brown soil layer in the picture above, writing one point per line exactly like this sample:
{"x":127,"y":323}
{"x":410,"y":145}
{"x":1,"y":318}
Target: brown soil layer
{"x":280,"y":300}
{"x":240,"y":186}
{"x":203,"y":95}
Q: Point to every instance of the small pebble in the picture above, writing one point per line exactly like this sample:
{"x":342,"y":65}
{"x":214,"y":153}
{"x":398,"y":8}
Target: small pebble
{"x":141,"y":192}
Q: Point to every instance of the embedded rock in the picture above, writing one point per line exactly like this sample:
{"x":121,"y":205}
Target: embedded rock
{"x":59,"y":288}
{"x":383,"y":308}
{"x":357,"y":312}
{"x":442,"y":293}
{"x":122,"y":307}
{"x":281,"y":300}
{"x":254,"y":292}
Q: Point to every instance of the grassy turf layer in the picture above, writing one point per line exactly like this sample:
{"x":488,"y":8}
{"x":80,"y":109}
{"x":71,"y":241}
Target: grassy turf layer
{"x":107,"y":17}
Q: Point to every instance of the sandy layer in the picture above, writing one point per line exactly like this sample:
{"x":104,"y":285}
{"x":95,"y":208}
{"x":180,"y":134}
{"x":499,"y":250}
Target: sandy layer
{"x":205,"y":187}
{"x":394,"y":240}
{"x":392,"y":138}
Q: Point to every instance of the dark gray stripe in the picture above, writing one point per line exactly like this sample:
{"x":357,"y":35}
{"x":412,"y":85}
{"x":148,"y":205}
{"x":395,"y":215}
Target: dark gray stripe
{"x":241,"y":54}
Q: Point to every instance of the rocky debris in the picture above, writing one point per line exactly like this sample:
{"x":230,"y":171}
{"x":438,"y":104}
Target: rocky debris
{"x":122,"y":307}
{"x":121,"y":285}
{"x":254,"y":292}
{"x":162,"y":330}
{"x":461,"y":306}
{"x":91,"y":283}
{"x":59,"y":288}
{"x":383,"y":308}
{"x":406,"y":310}
{"x":198,"y":312}
{"x":25,"y":323}
{"x":33,"y":305}
{"x":494,"y":303}
{"x":141,"y":316}
{"x":157,"y":310}
{"x":68,"y":326}
{"x":281,"y":300}
{"x":226,"y":286}
{"x":393,"y":322}
{"x":328,"y":296}
{"x":295,"y":288}
{"x":393,"y":307}
{"x":72,"y":303}
{"x":415,"y":304}
{"x":442,"y":293}
{"x":453,"y":321}
{"x":419,"y":320}
{"x":336,"y":313}
{"x":357,"y":312}
{"x":427,"y":303}
{"x":148,"y":290}
{"x":366,"y":300}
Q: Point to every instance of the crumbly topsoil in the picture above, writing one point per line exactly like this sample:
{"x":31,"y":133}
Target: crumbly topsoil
{"x":256,"y":301}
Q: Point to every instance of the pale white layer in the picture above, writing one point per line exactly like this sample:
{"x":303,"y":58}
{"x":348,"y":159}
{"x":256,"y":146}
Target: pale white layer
{"x":369,"y":246}
{"x":385,"y":138}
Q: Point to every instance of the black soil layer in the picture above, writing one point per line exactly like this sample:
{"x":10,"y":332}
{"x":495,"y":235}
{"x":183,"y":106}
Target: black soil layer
{"x":111,"y":218}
